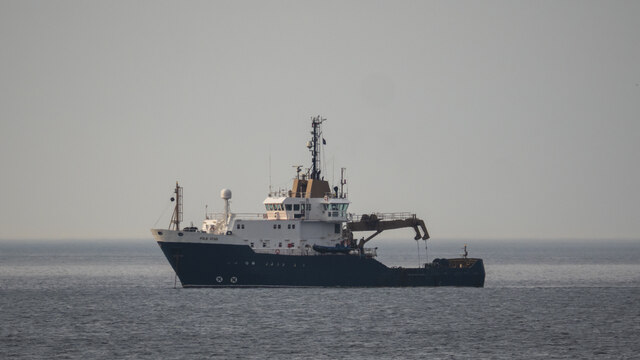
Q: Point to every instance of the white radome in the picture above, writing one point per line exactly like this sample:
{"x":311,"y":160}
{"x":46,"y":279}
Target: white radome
{"x":225,"y":194}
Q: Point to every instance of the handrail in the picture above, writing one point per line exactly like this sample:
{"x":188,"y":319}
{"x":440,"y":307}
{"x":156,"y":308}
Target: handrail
{"x":221,"y":216}
{"x":351,"y":216}
{"x":303,"y":195}
{"x":370,"y":252}
{"x":384,"y":216}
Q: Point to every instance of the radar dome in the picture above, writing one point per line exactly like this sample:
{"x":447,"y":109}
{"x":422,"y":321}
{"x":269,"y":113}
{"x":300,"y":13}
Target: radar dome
{"x":225,"y":194}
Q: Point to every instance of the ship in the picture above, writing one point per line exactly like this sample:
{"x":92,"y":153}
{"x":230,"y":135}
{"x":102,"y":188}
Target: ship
{"x":304,"y":238}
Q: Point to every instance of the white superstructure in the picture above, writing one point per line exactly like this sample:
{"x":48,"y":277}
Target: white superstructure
{"x":309,"y":214}
{"x":289,"y":225}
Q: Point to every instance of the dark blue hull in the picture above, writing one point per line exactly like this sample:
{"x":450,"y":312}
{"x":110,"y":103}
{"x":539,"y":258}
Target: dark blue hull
{"x":205,"y":265}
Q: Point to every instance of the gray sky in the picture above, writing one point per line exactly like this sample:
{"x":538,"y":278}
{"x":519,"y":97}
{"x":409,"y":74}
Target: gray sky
{"x":490,"y":119}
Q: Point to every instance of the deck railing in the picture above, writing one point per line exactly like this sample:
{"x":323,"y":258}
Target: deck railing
{"x":289,"y":193}
{"x":350,"y":216}
{"x":383,"y":216}
{"x":369,"y":252}
{"x":221,"y":216}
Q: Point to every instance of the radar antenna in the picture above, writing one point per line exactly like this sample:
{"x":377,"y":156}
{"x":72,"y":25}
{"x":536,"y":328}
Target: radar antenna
{"x":298,"y":170}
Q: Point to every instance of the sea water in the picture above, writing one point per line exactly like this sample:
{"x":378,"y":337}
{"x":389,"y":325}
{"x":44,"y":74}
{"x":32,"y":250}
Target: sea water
{"x":109,"y":299}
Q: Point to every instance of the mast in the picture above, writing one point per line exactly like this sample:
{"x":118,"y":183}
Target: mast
{"x":312,"y":184}
{"x":176,"y":218}
{"x":342,"y":182}
{"x":314,"y":146}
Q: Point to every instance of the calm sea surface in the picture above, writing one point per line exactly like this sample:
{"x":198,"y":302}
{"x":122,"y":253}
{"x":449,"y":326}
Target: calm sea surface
{"x":115,"y":299}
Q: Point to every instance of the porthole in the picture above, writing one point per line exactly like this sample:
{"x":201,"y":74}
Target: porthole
{"x":219,"y":279}
{"x":159,"y":232}
{"x":233,"y":279}
{"x":180,"y":234}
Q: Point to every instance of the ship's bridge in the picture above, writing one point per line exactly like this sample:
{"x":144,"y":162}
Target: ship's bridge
{"x":325,"y":208}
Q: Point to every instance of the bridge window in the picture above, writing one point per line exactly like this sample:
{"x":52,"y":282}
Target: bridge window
{"x":274,"y":207}
{"x":287,"y":207}
{"x":296,"y":207}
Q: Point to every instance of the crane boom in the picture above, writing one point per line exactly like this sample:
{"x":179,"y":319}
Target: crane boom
{"x":378,"y":224}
